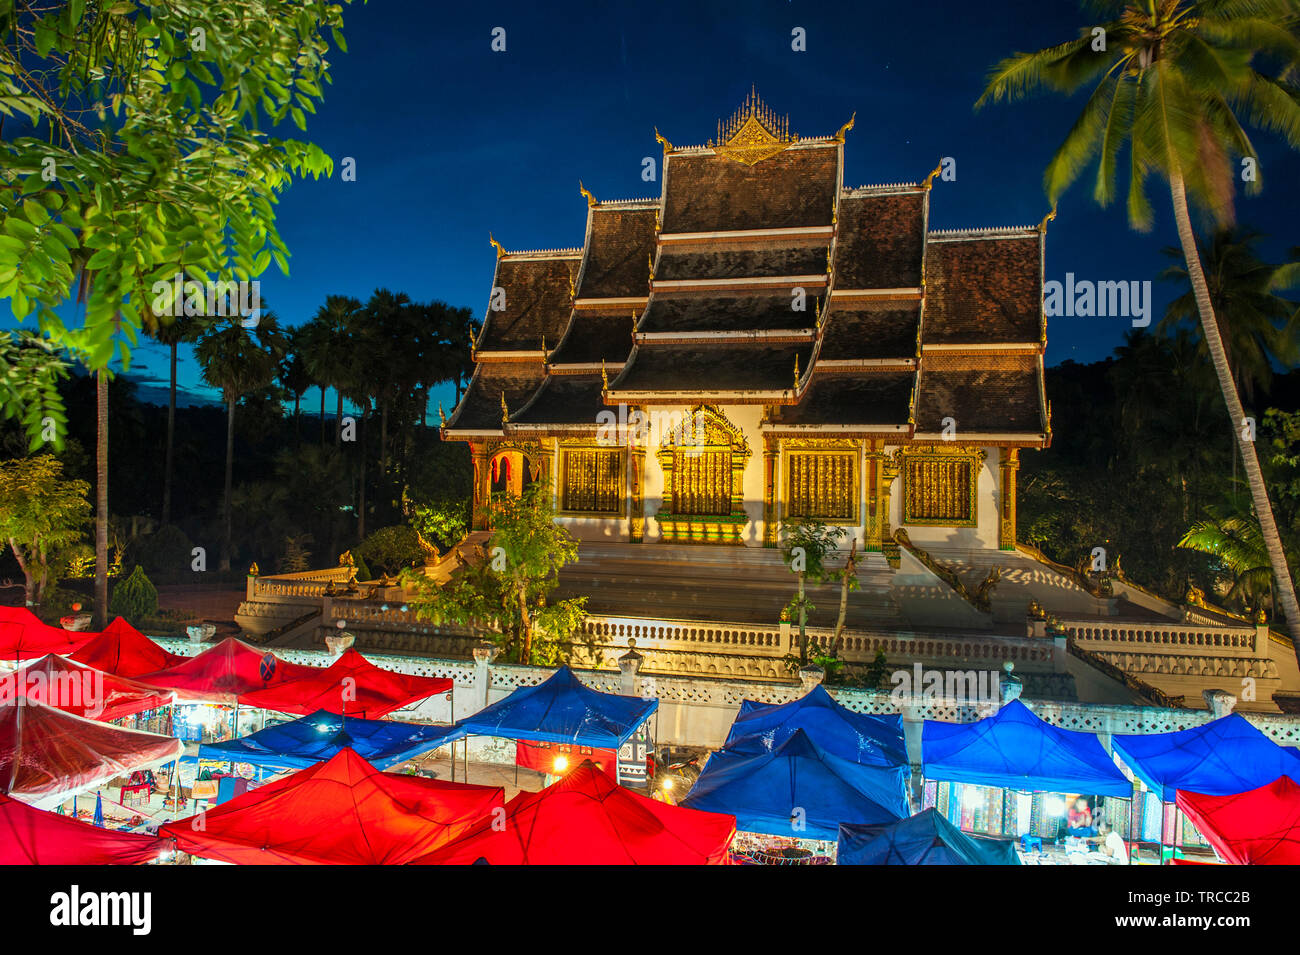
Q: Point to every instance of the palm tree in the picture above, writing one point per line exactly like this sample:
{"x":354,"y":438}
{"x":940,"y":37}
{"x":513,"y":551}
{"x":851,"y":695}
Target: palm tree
{"x":1236,"y":542}
{"x":328,"y":351}
{"x":1258,"y":326}
{"x":238,"y":361}
{"x":293,"y":376}
{"x":386,"y":346}
{"x":1169,"y":78}
{"x":172,"y":334}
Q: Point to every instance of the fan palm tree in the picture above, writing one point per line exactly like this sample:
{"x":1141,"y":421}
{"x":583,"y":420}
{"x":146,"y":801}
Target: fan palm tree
{"x":328,"y":351}
{"x":293,"y":376}
{"x":238,"y":360}
{"x":1169,"y":79}
{"x":1259,"y":327}
{"x":170,"y":333}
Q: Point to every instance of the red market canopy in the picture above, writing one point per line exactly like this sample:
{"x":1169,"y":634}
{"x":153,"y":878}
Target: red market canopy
{"x":23,"y":636}
{"x":352,"y":685}
{"x":123,"y":650}
{"x":342,"y":812}
{"x":47,"y":755}
{"x":226,"y":673}
{"x":588,"y":819}
{"x":81,"y":690}
{"x":35,"y":837}
{"x":1259,"y":827}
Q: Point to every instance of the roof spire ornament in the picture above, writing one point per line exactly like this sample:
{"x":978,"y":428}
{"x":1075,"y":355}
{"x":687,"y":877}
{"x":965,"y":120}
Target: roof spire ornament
{"x":496,"y":245}
{"x":668,"y":147}
{"x":592,"y":202}
{"x":604,"y":376}
{"x":1042,"y":226}
{"x":442,"y":415}
{"x":505,"y":412}
{"x":753,"y":133}
{"x":796,"y":373}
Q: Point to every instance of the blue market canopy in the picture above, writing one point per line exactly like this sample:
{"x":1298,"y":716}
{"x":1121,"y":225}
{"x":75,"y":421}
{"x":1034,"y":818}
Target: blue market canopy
{"x":924,"y":839}
{"x":1220,"y":758}
{"x":871,"y":740}
{"x":562,"y":710}
{"x":798,"y":790}
{"x":319,"y":737}
{"x":1014,"y":749}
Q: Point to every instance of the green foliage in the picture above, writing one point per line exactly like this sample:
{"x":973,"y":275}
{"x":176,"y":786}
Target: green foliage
{"x":360,"y":567}
{"x":446,"y":523}
{"x":805,"y":545}
{"x":391,"y":550}
{"x":30,"y":370}
{"x":297,"y":557}
{"x":134,"y":598}
{"x":42,"y":518}
{"x":146,"y":159}
{"x":1171,"y":87}
{"x":504,"y":588}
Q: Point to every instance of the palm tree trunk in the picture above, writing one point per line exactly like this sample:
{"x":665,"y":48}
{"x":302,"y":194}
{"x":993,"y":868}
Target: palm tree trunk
{"x":1250,"y":462}
{"x":361,"y":464}
{"x":171,"y":437}
{"x":338,"y":420}
{"x":101,"y":499}
{"x":297,"y":430}
{"x":322,"y":416}
{"x":227,"y":518}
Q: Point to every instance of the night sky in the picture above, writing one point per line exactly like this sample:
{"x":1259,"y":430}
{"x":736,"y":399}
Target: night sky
{"x":452,"y":140}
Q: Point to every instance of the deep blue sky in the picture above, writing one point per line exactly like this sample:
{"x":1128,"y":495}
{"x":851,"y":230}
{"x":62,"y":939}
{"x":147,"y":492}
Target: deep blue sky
{"x":452,"y":140}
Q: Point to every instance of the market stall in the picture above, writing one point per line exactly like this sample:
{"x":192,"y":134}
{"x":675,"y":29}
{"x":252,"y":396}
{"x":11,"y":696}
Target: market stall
{"x":563,"y":710}
{"x":924,"y":839}
{"x":1258,"y":827}
{"x":351,"y":684}
{"x":47,"y":755}
{"x":343,"y":812}
{"x":1220,"y":758}
{"x":320,"y":736}
{"x":30,"y":836}
{"x":24,"y":636}
{"x":123,"y":650}
{"x":799,"y":791}
{"x":83,"y":690}
{"x":588,"y":819}
{"x":1017,"y":768}
{"x":862,"y":738}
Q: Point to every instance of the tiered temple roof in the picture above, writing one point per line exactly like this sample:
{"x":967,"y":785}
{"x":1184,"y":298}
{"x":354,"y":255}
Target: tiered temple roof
{"x":756,"y":277}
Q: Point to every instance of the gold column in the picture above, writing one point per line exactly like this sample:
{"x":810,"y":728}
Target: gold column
{"x":551,"y":469}
{"x":636,"y":498}
{"x":482,"y":484}
{"x":1010,"y":464}
{"x":889,"y":468}
{"x":771,"y":452}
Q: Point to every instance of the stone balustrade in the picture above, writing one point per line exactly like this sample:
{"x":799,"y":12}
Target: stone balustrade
{"x":697,"y":711}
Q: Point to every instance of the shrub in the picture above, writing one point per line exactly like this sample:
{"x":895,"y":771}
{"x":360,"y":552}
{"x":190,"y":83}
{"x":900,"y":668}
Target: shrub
{"x":134,"y":598}
{"x":166,"y":551}
{"x":390,"y":549}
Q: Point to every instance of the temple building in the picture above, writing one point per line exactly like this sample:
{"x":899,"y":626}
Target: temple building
{"x":761,"y":344}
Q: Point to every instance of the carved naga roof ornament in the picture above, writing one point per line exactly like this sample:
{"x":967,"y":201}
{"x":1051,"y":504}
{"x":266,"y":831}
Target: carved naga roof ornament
{"x":592,"y":201}
{"x":496,"y":245}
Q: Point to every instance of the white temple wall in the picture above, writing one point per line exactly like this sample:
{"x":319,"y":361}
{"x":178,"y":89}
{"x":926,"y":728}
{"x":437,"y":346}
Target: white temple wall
{"x":984,"y":535}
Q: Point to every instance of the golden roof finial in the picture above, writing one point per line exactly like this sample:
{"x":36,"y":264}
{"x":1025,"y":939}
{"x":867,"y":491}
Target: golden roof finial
{"x":442,"y":415}
{"x":604,"y":375}
{"x":573,"y":289}
{"x":930,"y":178}
{"x":634,"y":321}
{"x":496,"y":245}
{"x":754,"y":132}
{"x":591,"y":200}
{"x":543,"y":348}
{"x":505,"y":412}
{"x":839,"y":137}
{"x":1042,"y":226}
{"x":650,"y":258}
{"x":796,"y":372}
{"x":668,"y":147}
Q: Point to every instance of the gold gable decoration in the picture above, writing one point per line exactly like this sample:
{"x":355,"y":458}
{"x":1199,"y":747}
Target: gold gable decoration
{"x":753,"y":133}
